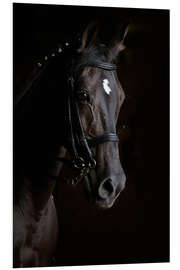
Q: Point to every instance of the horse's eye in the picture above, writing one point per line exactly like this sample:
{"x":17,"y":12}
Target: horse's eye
{"x":83,"y":96}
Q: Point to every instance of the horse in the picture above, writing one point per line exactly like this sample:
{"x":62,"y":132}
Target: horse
{"x":65,"y":118}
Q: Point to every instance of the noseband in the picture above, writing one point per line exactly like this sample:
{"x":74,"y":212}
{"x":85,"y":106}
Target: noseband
{"x":77,"y":144}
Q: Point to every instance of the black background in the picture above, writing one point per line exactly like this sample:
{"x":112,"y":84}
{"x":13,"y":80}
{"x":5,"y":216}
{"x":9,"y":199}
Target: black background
{"x":136,"y":229}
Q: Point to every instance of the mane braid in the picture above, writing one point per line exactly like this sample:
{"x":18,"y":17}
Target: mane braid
{"x":37,"y":73}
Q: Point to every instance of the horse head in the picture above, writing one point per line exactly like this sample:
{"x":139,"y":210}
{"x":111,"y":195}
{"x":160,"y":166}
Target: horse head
{"x":97,"y":97}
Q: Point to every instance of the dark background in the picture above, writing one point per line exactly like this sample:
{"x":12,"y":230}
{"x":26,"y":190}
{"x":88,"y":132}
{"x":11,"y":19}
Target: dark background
{"x":136,"y":229}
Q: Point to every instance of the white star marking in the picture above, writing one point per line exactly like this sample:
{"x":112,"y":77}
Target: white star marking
{"x":106,"y":87}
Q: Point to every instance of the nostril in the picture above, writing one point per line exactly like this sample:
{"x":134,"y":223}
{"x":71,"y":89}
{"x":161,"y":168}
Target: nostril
{"x":108,"y":186}
{"x":106,"y":189}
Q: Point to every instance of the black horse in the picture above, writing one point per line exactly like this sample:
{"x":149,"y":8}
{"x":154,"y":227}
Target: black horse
{"x":65,"y":118}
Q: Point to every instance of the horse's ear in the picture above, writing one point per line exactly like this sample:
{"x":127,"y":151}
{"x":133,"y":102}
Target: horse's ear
{"x":88,"y":36}
{"x":117,"y":45}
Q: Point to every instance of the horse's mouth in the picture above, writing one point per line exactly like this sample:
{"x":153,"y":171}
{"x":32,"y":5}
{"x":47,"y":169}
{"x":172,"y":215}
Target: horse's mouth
{"x":103,"y":204}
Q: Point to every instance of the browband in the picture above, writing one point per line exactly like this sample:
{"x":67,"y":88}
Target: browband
{"x":103,"y":65}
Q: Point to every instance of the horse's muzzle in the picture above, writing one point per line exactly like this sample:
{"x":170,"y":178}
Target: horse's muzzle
{"x":109,"y":190}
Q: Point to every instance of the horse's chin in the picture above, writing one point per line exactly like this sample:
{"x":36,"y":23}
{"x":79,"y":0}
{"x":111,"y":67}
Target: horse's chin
{"x":104,"y":204}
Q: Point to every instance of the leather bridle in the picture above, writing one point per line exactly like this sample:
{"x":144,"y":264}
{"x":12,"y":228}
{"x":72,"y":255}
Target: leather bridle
{"x":77,"y":143}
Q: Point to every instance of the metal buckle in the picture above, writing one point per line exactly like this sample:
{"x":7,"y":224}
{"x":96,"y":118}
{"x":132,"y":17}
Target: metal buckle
{"x":79,"y":163}
{"x":92,"y":164}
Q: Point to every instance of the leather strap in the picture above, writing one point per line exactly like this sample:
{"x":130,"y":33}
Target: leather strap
{"x":103,"y":65}
{"x":109,"y":137}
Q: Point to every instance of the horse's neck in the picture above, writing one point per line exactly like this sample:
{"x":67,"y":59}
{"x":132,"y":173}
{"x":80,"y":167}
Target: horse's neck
{"x":34,"y":197}
{"x":38,"y":135}
{"x":32,"y":194}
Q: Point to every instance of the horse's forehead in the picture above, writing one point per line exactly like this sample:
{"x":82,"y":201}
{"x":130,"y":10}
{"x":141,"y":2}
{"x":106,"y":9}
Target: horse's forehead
{"x":101,"y":84}
{"x":108,"y":85}
{"x":98,"y":78}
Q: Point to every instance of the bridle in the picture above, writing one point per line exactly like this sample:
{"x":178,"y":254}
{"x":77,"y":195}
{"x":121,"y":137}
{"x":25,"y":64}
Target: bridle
{"x":77,"y":143}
